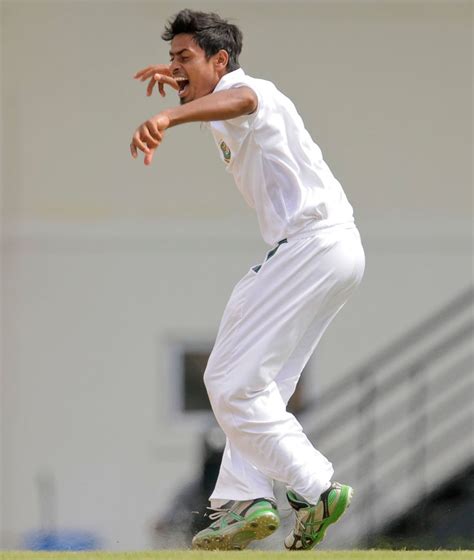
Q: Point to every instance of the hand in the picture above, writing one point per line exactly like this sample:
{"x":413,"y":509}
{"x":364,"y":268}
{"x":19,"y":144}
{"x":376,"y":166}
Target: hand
{"x":149,"y":136}
{"x":159,"y":75}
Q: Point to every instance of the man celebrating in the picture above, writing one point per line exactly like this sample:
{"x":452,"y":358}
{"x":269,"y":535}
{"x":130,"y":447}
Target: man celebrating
{"x":279,"y":310}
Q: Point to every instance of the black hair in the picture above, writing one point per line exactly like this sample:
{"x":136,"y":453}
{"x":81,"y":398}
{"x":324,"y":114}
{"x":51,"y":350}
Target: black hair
{"x":210,"y":32}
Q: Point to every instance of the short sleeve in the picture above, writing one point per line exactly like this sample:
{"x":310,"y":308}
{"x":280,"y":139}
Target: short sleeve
{"x":250,"y":118}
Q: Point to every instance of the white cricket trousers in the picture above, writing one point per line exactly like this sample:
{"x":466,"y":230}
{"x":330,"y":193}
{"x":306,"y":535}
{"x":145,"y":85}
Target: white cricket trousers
{"x":271,"y":325}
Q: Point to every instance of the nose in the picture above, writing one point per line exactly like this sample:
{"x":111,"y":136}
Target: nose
{"x":174,"y":67}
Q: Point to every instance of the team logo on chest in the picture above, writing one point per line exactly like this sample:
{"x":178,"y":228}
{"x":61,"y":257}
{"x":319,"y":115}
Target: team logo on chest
{"x":225,"y":151}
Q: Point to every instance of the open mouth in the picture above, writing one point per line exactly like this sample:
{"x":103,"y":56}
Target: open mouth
{"x":183,"y":85}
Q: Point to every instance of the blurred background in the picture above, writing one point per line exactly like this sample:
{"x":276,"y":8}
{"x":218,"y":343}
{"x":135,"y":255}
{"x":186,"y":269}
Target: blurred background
{"x":114,"y":276}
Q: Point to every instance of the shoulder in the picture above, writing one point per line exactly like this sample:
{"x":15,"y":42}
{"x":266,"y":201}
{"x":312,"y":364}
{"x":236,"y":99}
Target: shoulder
{"x":239,"y":78}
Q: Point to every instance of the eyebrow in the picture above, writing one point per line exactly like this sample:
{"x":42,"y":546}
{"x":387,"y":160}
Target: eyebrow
{"x":178,"y":52}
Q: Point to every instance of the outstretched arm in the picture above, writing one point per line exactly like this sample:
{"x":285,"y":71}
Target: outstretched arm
{"x":218,"y":106}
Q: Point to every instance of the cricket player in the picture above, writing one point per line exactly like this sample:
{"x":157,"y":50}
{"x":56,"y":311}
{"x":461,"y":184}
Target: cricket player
{"x":279,"y":310}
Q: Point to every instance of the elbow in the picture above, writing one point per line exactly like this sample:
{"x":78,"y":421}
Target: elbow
{"x":248,"y":101}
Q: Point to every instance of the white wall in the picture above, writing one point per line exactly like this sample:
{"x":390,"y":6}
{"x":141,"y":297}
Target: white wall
{"x":383,"y":86}
{"x":107,"y":261}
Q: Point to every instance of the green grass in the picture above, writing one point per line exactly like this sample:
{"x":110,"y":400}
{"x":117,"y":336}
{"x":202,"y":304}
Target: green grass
{"x":244,"y":555}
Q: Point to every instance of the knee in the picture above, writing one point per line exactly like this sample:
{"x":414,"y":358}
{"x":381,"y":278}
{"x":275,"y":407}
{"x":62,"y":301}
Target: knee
{"x":221,"y":393}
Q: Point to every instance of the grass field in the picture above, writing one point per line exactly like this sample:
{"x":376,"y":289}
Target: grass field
{"x":244,"y":555}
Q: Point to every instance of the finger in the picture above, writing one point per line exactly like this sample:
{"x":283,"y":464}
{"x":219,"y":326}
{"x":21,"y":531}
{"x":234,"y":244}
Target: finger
{"x":161,"y":89}
{"x":139,"y":144}
{"x":166,"y":80}
{"x":140,"y":73}
{"x":133,"y":151}
{"x":154,"y":131}
{"x":147,"y":72}
{"x":156,"y":79}
{"x":150,"y":142}
{"x":151,"y":84}
{"x":149,"y":157}
{"x":147,"y":75}
{"x":147,"y":137}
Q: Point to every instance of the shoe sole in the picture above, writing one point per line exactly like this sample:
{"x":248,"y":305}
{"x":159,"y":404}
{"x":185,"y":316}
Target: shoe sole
{"x":343,"y":504}
{"x":241,"y":534}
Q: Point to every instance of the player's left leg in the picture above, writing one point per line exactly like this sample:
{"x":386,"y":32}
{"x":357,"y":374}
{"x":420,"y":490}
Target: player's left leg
{"x":311,"y":519}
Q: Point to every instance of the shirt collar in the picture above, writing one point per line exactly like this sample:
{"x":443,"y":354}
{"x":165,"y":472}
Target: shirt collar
{"x":230,"y":78}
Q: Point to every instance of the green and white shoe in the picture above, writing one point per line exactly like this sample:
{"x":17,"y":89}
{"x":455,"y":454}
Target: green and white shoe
{"x":237,"y":524}
{"x":312,"y":521}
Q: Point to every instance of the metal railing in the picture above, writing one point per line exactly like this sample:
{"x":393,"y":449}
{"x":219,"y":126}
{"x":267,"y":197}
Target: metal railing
{"x":402,"y":423}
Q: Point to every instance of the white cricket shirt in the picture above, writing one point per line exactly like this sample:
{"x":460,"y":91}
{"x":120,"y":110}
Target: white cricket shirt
{"x":276,"y":165}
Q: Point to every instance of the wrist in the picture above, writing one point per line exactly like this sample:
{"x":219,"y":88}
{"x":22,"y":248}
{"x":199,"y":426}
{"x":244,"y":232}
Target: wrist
{"x":168,"y":116}
{"x":162,"y":120}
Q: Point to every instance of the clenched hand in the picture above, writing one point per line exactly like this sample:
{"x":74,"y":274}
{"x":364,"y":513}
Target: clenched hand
{"x":149,"y":136}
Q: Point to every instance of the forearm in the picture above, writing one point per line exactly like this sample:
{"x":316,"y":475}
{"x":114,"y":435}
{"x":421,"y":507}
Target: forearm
{"x":218,"y":106}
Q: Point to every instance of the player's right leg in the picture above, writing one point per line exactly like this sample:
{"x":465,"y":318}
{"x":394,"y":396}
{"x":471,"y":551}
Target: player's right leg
{"x":239,"y":480}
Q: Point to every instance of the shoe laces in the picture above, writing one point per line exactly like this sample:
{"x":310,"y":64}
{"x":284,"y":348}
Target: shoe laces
{"x":218,"y":513}
{"x":305,"y":522}
{"x":232,"y":509}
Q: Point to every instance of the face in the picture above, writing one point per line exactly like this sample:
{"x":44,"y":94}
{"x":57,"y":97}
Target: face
{"x":196,"y":74}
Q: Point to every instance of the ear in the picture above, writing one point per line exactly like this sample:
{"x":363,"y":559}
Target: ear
{"x":221,"y":59}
